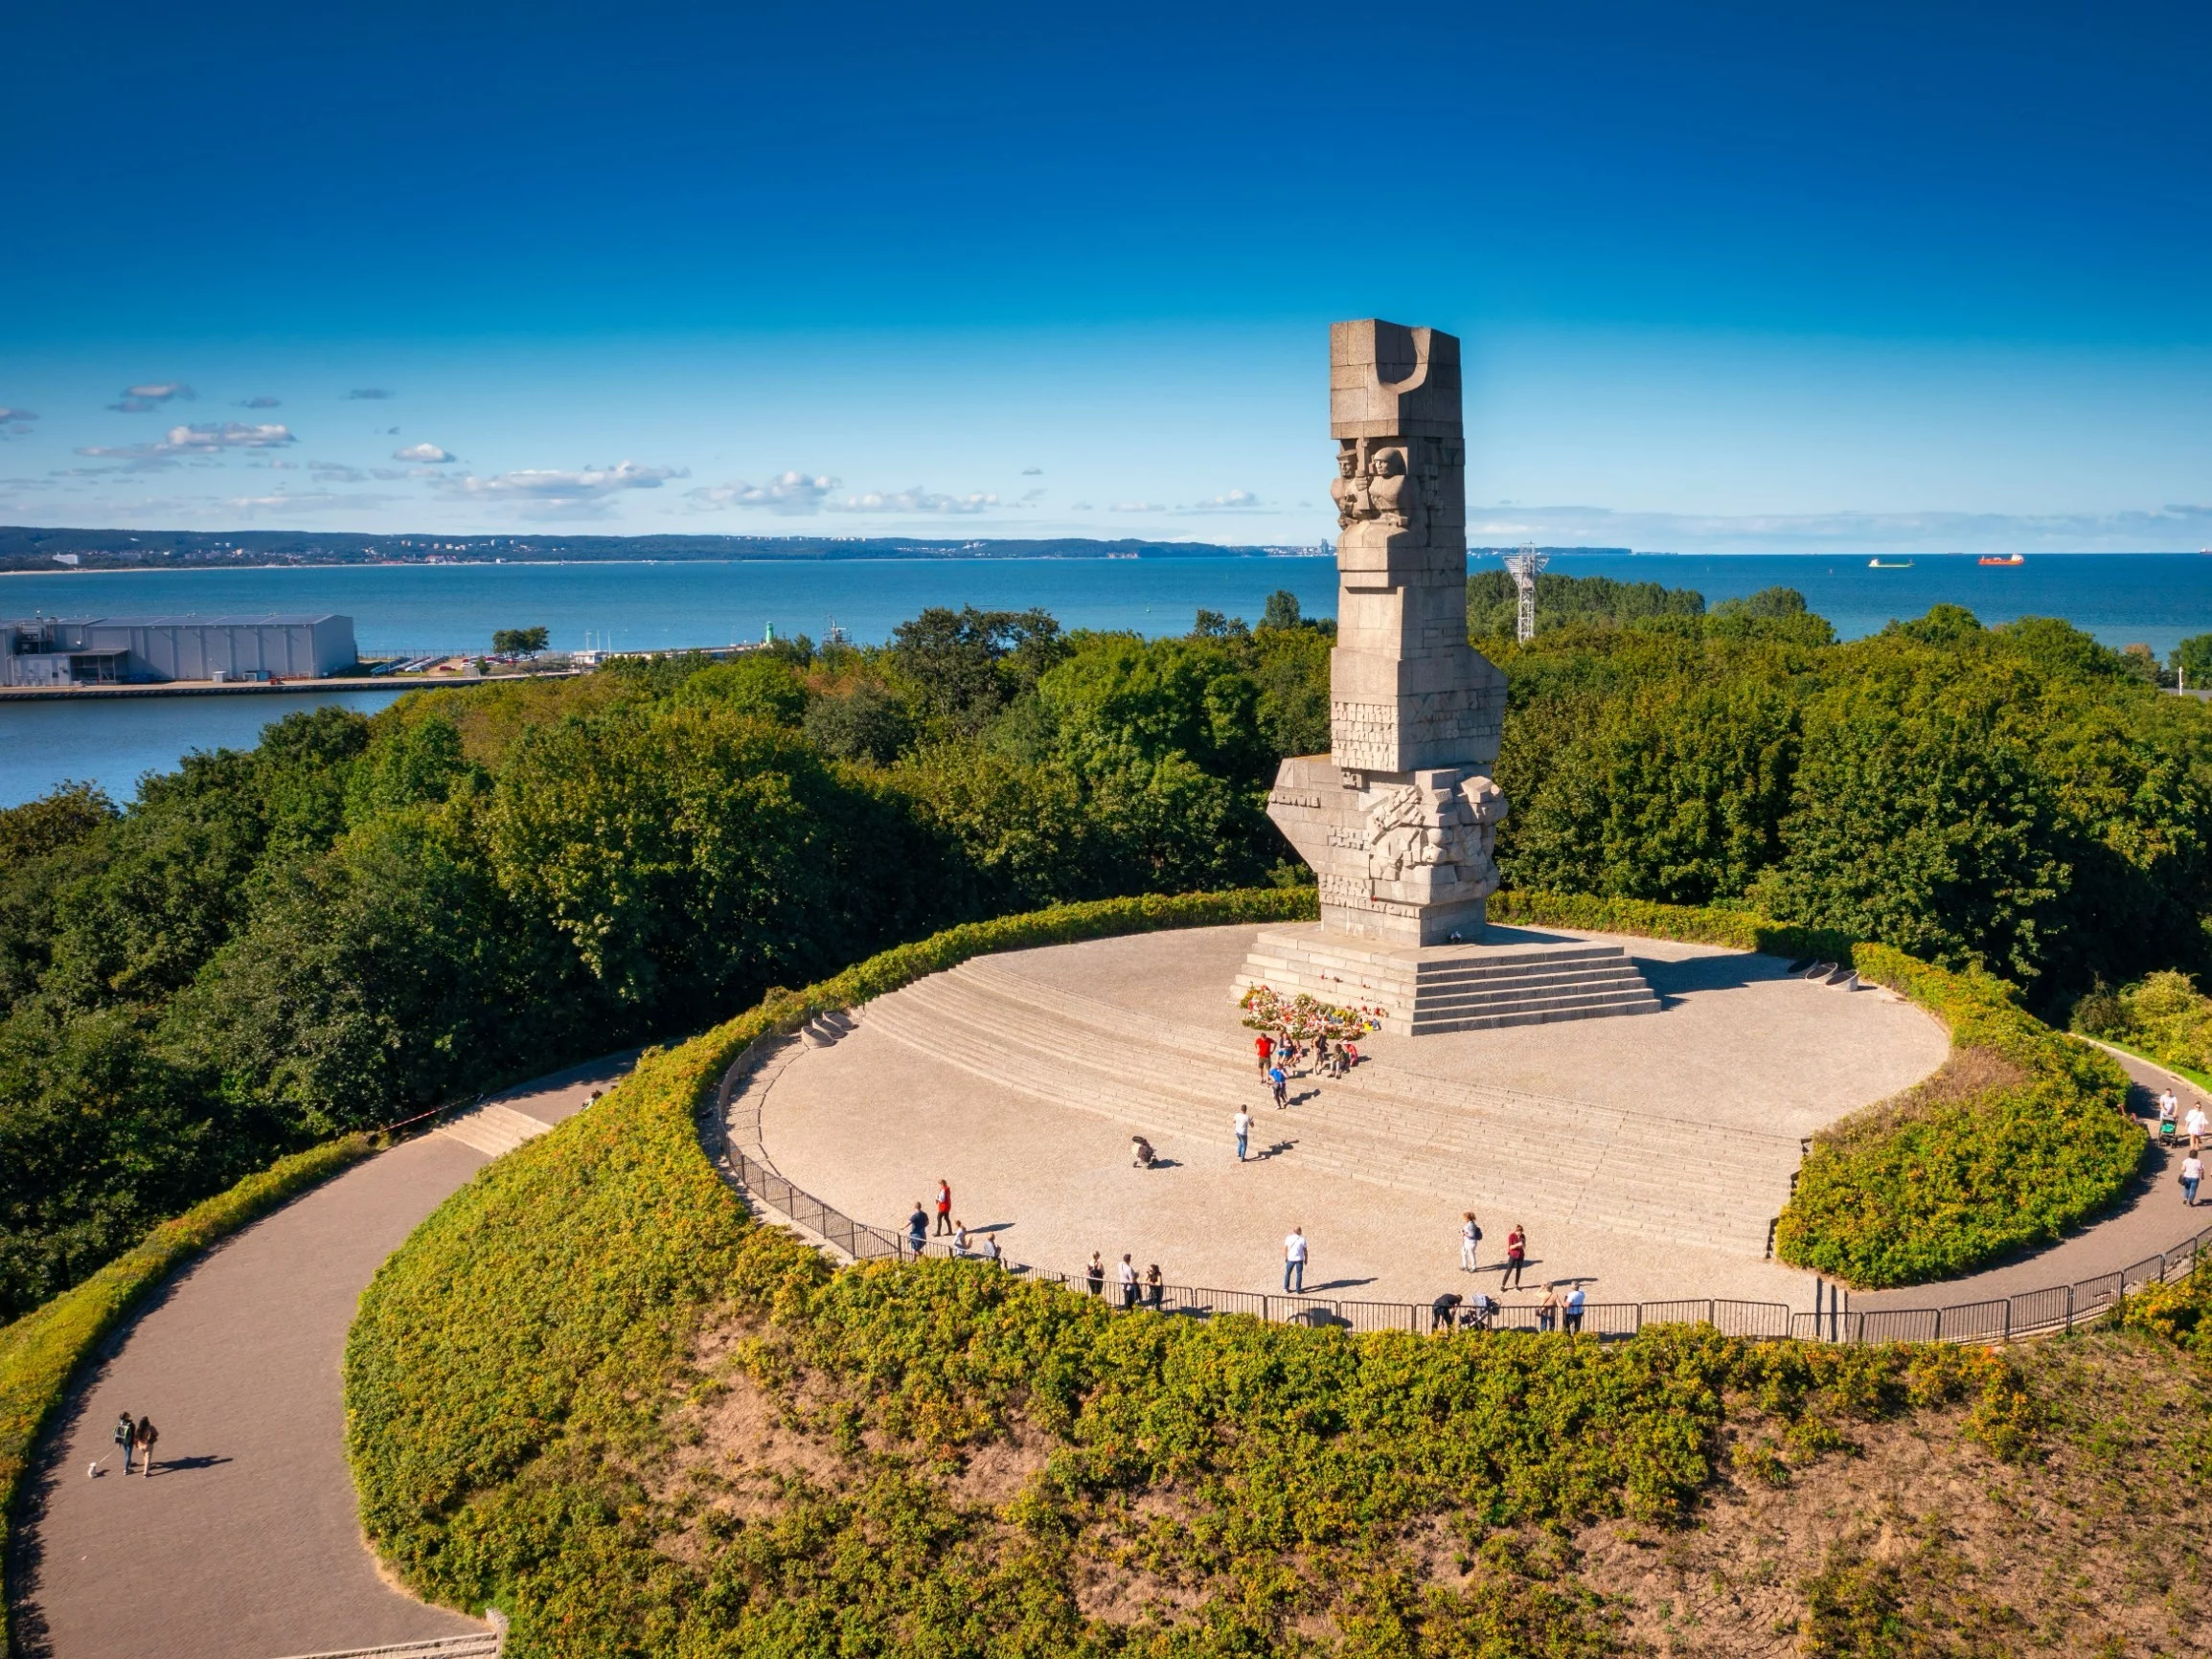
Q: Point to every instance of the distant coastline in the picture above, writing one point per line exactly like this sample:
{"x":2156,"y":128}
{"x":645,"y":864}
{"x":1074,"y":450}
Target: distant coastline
{"x":26,"y":550}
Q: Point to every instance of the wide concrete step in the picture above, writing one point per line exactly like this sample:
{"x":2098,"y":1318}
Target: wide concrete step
{"x":494,"y":1130}
{"x":1179,"y":1088}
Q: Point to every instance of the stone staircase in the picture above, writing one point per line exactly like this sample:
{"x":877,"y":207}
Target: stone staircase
{"x":493,"y":1130}
{"x":1499,"y":1150}
{"x":1512,"y":978}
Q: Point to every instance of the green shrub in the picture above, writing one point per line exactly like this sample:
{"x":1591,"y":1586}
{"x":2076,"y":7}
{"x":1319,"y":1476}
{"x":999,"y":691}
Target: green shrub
{"x":525,"y":1367}
{"x":2180,"y":1312}
{"x":1949,"y":1180}
{"x":2162,"y":1015}
{"x":40,"y":1352}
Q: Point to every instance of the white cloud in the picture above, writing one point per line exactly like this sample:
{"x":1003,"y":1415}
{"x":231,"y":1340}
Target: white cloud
{"x":138,"y":399}
{"x":552,"y":493}
{"x":1032,"y":472}
{"x":367,"y":395}
{"x":1229,"y":501}
{"x":15,"y":423}
{"x":915,"y":500}
{"x":209,"y":439}
{"x":789,"y":493}
{"x":425,"y":452}
{"x":1137,"y":507}
{"x":263,"y":402}
{"x":1037,"y":495}
{"x":1082,"y":506}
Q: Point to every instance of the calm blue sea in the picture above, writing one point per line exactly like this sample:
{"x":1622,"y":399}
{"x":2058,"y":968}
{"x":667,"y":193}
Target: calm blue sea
{"x":2122,"y":598}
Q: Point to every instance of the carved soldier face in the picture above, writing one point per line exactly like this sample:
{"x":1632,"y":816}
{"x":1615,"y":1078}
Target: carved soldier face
{"x":1387,"y":462}
{"x":1347,"y":463}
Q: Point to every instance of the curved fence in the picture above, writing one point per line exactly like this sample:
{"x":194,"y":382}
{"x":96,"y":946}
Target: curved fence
{"x":2029,"y":1313}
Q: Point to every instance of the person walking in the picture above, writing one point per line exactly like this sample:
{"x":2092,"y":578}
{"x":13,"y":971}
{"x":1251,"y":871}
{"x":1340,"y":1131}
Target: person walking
{"x":1548,"y":1311}
{"x":1321,"y":1056}
{"x":2192,"y":1172}
{"x":1263,"y":1046}
{"x":1155,"y":1286}
{"x":1515,"y":1253}
{"x":146,"y":1435}
{"x":1094,"y":1275}
{"x":960,"y":1238}
{"x":1241,"y":1125}
{"x":1469,"y":1236}
{"x":1294,"y":1262}
{"x":1279,"y":1085}
{"x":917,"y":1228}
{"x":992,"y":1252}
{"x":1127,"y":1273}
{"x":126,"y":1437}
{"x":2197,"y":1123}
{"x":944,"y":1206}
{"x":1572,"y":1312}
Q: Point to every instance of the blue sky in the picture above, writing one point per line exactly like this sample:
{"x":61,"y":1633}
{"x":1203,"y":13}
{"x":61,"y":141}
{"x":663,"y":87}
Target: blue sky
{"x":1729,"y":277}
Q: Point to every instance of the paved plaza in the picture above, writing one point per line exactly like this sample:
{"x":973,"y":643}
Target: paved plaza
{"x":1644,"y":1155}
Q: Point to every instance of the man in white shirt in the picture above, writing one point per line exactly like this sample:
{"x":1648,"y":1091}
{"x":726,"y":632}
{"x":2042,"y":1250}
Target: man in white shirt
{"x":1574,"y":1311}
{"x":1126,"y":1274}
{"x":1241,"y":1123}
{"x":2169,"y":1107}
{"x":1294,"y":1262}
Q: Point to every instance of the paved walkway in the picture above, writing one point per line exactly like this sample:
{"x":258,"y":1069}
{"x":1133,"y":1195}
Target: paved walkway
{"x":246,"y":1542}
{"x":2152,"y":1220}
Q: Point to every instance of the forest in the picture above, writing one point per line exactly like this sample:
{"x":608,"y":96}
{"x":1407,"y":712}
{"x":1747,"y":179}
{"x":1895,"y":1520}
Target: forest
{"x":364,"y":917}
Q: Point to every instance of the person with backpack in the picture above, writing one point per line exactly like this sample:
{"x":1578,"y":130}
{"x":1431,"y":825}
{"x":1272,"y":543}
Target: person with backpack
{"x":1470,"y":1237}
{"x":127,"y":1437}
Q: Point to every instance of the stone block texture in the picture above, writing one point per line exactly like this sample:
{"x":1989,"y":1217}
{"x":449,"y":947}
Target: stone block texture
{"x":1399,"y":818}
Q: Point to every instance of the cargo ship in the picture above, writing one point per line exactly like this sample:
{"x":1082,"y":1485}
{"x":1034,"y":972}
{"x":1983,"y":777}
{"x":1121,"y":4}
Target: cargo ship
{"x":1889,"y":564}
{"x":2003,"y":559}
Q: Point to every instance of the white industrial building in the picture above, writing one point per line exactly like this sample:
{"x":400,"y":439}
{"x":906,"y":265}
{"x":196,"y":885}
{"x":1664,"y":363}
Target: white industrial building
{"x":125,"y":650}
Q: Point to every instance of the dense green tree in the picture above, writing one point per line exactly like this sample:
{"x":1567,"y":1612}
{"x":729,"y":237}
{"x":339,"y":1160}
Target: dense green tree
{"x":961,"y":668}
{"x":518,"y":641}
{"x":762,"y":685}
{"x":2193,"y":658}
{"x":865,"y":722}
{"x":694,"y":856}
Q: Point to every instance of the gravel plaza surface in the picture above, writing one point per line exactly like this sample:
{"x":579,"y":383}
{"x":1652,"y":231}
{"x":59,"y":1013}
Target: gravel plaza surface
{"x":246,"y":1542}
{"x":1021,"y":1083}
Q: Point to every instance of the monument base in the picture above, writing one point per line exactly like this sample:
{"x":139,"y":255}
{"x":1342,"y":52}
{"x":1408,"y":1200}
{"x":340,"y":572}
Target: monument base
{"x":1505,"y":976}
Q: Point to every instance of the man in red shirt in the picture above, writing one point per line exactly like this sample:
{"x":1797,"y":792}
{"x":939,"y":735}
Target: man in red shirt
{"x":1265,"y":1045}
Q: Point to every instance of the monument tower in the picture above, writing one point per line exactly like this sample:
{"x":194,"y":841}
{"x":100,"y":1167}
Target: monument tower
{"x":1400,"y":819}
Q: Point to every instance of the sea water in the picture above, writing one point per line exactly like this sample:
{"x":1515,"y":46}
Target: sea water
{"x":2122,"y":598}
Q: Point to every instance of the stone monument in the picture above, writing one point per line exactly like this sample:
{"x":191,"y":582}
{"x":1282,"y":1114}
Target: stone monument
{"x":1400,"y":819}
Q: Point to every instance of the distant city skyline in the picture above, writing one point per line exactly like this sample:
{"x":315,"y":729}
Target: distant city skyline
{"x":1733,"y":279}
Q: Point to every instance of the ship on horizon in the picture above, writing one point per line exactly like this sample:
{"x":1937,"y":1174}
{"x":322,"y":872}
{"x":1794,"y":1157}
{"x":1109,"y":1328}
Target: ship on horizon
{"x":1879,"y":563}
{"x":2001,"y":558}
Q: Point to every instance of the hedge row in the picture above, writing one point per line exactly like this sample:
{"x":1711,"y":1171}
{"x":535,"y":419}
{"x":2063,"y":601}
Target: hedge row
{"x":42,"y":1350}
{"x":524,"y":1382}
